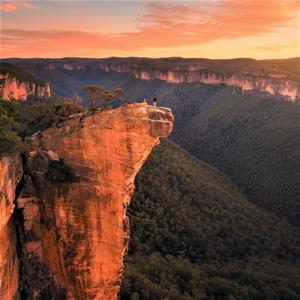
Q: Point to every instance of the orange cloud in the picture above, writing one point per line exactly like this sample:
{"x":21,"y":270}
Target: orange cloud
{"x":165,"y":25}
{"x":12,"y":6}
{"x":276,"y":48}
{"x":197,"y":24}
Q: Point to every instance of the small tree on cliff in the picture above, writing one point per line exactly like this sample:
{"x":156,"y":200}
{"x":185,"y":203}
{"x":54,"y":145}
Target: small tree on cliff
{"x":68,"y":108}
{"x":99,"y":97}
{"x":76,"y":99}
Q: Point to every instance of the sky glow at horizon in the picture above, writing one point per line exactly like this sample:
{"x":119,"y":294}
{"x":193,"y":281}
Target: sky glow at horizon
{"x":203,"y":28}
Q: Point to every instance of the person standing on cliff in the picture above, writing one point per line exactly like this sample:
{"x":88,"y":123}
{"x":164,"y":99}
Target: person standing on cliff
{"x":154,"y":102}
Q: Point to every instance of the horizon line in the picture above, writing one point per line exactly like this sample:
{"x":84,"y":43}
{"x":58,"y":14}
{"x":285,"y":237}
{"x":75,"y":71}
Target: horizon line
{"x":145,"y":57}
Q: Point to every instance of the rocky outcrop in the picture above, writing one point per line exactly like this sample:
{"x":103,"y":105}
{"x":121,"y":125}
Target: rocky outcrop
{"x":275,"y":84}
{"x":12,"y":88}
{"x":10,"y":175}
{"x":75,"y":232}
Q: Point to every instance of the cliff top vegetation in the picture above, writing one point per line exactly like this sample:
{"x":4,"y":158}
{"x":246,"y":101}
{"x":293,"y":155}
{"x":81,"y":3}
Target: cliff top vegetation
{"x":19,"y":74}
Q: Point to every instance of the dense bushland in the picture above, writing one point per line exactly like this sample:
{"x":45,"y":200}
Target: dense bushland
{"x":194,"y":236}
{"x":255,"y":140}
{"x":20,"y":74}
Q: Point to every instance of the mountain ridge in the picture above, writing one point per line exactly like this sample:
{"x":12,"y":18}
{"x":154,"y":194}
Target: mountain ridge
{"x":278,"y":77}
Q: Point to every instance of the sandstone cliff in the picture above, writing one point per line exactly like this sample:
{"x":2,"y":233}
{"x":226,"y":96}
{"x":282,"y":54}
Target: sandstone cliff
{"x":275,"y":84}
{"x":18,"y":84}
{"x":75,"y":235}
{"x":12,"y":88}
{"x":10,"y":174}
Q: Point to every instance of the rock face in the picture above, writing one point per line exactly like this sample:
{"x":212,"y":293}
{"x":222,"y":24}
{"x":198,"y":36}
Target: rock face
{"x":75,"y":234}
{"x":275,"y":84}
{"x":12,"y":88}
{"x":10,"y":175}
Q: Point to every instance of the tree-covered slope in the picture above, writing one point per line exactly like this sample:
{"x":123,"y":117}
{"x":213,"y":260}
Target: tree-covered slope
{"x":255,"y":140}
{"x":194,"y":236}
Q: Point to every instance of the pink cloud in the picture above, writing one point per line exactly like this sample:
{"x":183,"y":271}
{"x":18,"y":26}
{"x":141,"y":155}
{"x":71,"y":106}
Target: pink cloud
{"x":164,"y":25}
{"x":12,"y":6}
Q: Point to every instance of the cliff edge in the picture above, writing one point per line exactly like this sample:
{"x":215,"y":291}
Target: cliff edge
{"x":10,"y":174}
{"x":20,"y":85}
{"x":75,"y":232}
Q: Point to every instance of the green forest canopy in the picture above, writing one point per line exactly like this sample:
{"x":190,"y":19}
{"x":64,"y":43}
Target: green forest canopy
{"x":194,"y":236}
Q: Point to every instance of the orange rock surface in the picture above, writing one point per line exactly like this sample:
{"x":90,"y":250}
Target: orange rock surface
{"x":12,"y":88}
{"x":10,"y":174}
{"x":275,"y":84}
{"x":79,"y":231}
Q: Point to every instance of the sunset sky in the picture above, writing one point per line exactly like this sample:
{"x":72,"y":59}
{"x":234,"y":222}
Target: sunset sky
{"x":204,"y":28}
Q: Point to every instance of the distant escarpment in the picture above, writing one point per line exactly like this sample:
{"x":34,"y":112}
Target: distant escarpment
{"x":80,"y":180}
{"x":273,"y":83}
{"x":276,"y":77}
{"x":19,"y":85}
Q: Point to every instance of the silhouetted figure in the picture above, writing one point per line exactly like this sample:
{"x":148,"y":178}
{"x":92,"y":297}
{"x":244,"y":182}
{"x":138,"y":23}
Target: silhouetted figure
{"x":154,"y":102}
{"x":128,"y":102}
